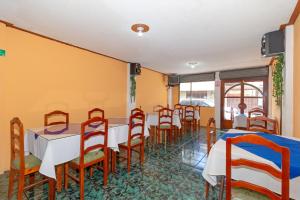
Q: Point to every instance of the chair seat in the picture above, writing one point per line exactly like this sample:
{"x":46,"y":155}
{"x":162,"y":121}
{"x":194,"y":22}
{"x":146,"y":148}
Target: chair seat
{"x":164,"y":127}
{"x":244,"y":194}
{"x":133,"y":142}
{"x":189,"y":119}
{"x":30,"y":162}
{"x":89,"y":157}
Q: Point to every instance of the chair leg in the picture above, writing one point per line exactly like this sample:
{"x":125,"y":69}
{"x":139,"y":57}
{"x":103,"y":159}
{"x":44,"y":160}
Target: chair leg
{"x":128,"y":159}
{"x":91,"y":171}
{"x":105,"y":171}
{"x":81,"y":183}
{"x":11,"y":182}
{"x":165,"y":132}
{"x":31,"y":178}
{"x":142,"y":155}
{"x":206,"y":190}
{"x":66,"y":174}
{"x":21,"y":185}
{"x":222,"y":184}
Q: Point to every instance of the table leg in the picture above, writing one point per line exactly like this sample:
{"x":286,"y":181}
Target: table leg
{"x":59,"y":174}
{"x":51,"y":192}
{"x":113,"y":161}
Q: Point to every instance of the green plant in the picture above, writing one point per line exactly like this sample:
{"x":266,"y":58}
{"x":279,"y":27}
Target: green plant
{"x":278,"y":78}
{"x":132,"y":88}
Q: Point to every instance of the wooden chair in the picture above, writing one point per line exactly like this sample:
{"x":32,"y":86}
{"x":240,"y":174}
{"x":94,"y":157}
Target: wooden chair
{"x":136,"y":110}
{"x":135,"y":138}
{"x":53,"y":114}
{"x":211,"y":137}
{"x":257,"y":112}
{"x":157,"y":108}
{"x":177,"y":106}
{"x":165,"y":124}
{"x":96,"y":112}
{"x":22,"y":165}
{"x":255,"y":191}
{"x":90,"y":156}
{"x":262,"y":124}
{"x":189,"y":117}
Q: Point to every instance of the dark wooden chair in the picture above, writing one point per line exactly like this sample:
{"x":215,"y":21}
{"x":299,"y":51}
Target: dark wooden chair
{"x":136,"y":110}
{"x":135,"y":138}
{"x":189,"y":117}
{"x":240,"y":187}
{"x":56,"y":113}
{"x":262,"y":124}
{"x":22,"y":165}
{"x":211,"y":137}
{"x":96,"y":112}
{"x":165,"y":124}
{"x":90,"y":156}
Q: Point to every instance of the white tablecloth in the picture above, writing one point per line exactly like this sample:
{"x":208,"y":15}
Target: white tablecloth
{"x":53,"y":150}
{"x":216,"y":166}
{"x":152,"y":120}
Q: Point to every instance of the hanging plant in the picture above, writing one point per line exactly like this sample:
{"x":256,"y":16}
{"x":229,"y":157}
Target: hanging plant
{"x":132,"y":88}
{"x":278,"y":79}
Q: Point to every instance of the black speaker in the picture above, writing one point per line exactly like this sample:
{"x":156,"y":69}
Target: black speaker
{"x":135,"y":69}
{"x":173,"y":80}
{"x":272,"y":43}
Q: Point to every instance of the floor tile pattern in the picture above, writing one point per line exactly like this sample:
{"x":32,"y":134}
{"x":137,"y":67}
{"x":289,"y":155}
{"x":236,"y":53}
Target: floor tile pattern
{"x":173,"y":172}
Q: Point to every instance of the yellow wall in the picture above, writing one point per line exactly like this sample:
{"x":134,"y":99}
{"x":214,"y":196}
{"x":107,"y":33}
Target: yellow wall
{"x":39,"y":75}
{"x":151,"y":90}
{"x":205,"y":114}
{"x":296,"y":78}
{"x":175,"y":94}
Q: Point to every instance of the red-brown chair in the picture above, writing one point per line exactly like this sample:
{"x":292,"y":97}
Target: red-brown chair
{"x":136,"y":110}
{"x":135,"y":138}
{"x":189,"y":117}
{"x":96,"y":112}
{"x":165,"y":124}
{"x":262,"y":124}
{"x":234,"y":188}
{"x":56,"y":113}
{"x":22,"y":165}
{"x":177,"y":106}
{"x":90,"y":156}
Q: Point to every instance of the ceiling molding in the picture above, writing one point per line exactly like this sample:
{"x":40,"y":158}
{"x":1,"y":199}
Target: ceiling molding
{"x":10,"y":25}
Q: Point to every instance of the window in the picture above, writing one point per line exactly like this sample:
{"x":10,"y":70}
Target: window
{"x":198,"y":93}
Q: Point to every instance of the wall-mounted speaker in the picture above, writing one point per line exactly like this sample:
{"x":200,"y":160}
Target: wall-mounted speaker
{"x":135,"y":69}
{"x":272,"y":43}
{"x":173,"y":79}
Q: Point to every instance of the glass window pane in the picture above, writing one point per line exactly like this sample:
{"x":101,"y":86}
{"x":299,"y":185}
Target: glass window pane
{"x":253,"y":103}
{"x":233,"y":89}
{"x":253,"y":89}
{"x":231,"y":107}
{"x":185,"y":93}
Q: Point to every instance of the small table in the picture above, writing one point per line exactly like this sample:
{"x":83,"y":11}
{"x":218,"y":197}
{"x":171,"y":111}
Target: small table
{"x":216,"y":166}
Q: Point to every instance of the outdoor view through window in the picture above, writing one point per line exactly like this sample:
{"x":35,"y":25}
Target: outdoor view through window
{"x":198,"y":93}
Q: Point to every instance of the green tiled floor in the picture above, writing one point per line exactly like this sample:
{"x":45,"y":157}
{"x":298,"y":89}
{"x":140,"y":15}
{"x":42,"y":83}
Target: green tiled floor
{"x":171,"y":173}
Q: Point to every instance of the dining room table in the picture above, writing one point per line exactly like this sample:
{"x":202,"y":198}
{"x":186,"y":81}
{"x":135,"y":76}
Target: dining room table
{"x":58,"y":144}
{"x":216,"y":162}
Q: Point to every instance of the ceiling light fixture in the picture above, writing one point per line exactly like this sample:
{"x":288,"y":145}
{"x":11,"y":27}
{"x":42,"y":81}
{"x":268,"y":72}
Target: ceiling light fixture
{"x":140,"y":29}
{"x":192,"y":64}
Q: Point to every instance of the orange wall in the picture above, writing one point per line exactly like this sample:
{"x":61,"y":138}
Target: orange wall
{"x":39,"y":75}
{"x":175,"y":95}
{"x":296,"y":78}
{"x":151,"y":90}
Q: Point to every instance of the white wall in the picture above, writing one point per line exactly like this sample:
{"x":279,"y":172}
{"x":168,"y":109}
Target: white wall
{"x":288,"y":97}
{"x":130,"y":105}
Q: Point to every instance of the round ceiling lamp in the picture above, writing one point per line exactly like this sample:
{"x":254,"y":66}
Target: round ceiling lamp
{"x":192,"y":64}
{"x":140,"y":29}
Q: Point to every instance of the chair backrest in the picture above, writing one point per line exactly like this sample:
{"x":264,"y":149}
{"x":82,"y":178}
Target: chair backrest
{"x":136,"y":127}
{"x":262,"y":124}
{"x":87,"y":133}
{"x":283,"y":174}
{"x":157,"y":108}
{"x":180,"y":112}
{"x":177,"y":106}
{"x":257,"y":112}
{"x":96,"y":112}
{"x":211,"y":133}
{"x":136,"y":110}
{"x":17,"y":142}
{"x":165,"y":117}
{"x":53,"y":114}
{"x":189,"y":112}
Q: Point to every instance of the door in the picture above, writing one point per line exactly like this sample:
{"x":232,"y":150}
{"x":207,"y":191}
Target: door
{"x":240,"y":96}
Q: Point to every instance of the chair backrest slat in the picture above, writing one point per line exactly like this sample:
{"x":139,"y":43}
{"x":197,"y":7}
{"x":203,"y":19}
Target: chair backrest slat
{"x":189,"y":112}
{"x":259,"y":111}
{"x":17,"y":142}
{"x":283,"y":175}
{"x":96,"y":112}
{"x":262,"y":124}
{"x":50,"y":115}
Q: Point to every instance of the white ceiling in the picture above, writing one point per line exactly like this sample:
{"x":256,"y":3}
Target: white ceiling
{"x":219,"y":34}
